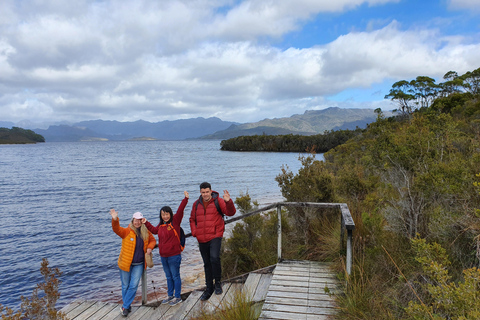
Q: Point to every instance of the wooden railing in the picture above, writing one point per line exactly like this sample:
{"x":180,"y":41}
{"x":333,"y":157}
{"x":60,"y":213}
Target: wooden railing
{"x":347,"y":225}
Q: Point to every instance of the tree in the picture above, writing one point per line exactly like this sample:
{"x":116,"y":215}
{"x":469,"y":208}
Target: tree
{"x":471,"y":81}
{"x":402,"y":94}
{"x":40,"y":305}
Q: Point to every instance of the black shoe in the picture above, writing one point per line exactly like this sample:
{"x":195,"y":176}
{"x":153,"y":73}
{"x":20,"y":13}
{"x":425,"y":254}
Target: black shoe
{"x":206,"y":295}
{"x":218,"y":288}
{"x":125,"y":312}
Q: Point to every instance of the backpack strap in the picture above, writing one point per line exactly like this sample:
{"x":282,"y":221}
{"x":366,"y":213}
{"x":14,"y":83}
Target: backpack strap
{"x":215,"y":201}
{"x":178,"y":237}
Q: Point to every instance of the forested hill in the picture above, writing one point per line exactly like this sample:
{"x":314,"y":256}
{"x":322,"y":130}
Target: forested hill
{"x":412,"y":183}
{"x":318,"y":143}
{"x":19,"y":136}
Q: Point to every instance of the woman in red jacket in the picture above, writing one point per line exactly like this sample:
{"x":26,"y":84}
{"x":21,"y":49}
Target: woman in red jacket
{"x":136,"y":242}
{"x":168,"y":231}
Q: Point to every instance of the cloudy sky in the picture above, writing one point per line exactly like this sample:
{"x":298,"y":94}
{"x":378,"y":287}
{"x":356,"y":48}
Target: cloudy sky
{"x":237,"y":60}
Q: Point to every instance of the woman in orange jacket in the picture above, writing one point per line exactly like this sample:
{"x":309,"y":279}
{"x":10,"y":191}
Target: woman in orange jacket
{"x":136,"y":242}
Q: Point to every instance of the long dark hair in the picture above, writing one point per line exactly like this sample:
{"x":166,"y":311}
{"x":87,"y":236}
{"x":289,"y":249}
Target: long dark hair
{"x":166,"y":209}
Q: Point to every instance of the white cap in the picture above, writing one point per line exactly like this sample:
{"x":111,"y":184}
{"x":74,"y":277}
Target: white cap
{"x":137,"y":215}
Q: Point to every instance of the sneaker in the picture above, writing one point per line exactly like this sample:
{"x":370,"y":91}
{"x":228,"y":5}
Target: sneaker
{"x":124,"y":311}
{"x":175,"y":301}
{"x":168,"y":300}
{"x":206,"y":295}
{"x":218,"y":288}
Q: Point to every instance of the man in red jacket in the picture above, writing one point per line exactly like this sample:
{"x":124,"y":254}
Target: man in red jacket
{"x":207,"y":225}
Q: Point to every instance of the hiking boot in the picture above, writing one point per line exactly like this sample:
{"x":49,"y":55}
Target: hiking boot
{"x":206,"y":295}
{"x":168,"y":300}
{"x":218,"y":288}
{"x":175,"y":301}
{"x":124,"y":311}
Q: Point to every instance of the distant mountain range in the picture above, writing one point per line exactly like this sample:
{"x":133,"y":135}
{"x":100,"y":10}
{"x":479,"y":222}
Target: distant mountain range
{"x":309,"y":123}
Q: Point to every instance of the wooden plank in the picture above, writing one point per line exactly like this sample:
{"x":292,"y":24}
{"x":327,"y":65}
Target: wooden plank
{"x":69,"y":307}
{"x":303,"y":290}
{"x":215,"y":300}
{"x":285,"y":308}
{"x":250,"y":285}
{"x":171,"y":311}
{"x":229,"y":298}
{"x":282,"y":315}
{"x":107,"y":307}
{"x":159,"y":311}
{"x":188,"y":305}
{"x":288,"y":301}
{"x":94,"y":308}
{"x":139,"y":313}
{"x":262,"y":288}
{"x":80,"y":309}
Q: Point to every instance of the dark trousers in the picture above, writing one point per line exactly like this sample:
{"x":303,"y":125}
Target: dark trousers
{"x":210,"y":252}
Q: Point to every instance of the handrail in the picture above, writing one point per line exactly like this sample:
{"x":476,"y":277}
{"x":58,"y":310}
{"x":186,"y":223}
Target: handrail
{"x":347,"y":223}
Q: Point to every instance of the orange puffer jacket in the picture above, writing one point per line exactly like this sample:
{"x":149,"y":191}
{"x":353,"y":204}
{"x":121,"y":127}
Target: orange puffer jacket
{"x":128,"y":244}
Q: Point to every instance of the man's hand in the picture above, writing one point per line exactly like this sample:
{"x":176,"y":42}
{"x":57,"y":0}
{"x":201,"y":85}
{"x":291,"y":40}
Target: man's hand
{"x":114,"y":214}
{"x":186,"y":194}
{"x":226,"y":196}
{"x":144,"y":220}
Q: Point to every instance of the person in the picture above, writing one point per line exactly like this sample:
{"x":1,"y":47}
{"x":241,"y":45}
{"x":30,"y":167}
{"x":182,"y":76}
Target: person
{"x":207,"y":225}
{"x":136,"y":241}
{"x":168,"y":231}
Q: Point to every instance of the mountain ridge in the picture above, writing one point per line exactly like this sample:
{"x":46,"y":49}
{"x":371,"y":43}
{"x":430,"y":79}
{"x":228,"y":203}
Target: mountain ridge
{"x":309,"y":123}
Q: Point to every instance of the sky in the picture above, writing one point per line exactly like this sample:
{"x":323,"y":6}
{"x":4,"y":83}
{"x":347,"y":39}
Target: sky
{"x":242,"y":61}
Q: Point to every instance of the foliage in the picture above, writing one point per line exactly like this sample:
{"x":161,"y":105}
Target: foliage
{"x":19,"y":135}
{"x":290,"y":142}
{"x":44,"y":298}
{"x":449,"y":300}
{"x":249,"y":246}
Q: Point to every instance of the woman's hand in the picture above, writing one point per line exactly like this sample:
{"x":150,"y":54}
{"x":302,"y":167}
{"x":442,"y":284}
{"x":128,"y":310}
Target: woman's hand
{"x":114,"y":214}
{"x":186,"y":194}
{"x":149,"y":251}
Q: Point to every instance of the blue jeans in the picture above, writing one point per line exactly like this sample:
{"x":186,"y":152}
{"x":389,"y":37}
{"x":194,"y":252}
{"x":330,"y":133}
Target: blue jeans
{"x":130,"y":281}
{"x":171,"y":266}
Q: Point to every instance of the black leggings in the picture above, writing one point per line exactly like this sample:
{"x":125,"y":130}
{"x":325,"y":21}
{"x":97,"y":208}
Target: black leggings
{"x":210,"y":252}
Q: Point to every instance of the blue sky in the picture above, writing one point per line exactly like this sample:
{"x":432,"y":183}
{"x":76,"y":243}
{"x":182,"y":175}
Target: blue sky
{"x":240,"y":61}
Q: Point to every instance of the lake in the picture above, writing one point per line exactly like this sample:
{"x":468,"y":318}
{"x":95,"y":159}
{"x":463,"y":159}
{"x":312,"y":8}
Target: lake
{"x":56,"y":197}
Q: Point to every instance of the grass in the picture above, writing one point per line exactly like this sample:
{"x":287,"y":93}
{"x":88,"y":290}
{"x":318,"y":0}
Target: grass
{"x":239,"y":307}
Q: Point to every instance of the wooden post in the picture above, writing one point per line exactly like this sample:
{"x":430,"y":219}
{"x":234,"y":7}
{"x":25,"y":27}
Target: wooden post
{"x":144,"y":287}
{"x":279,"y":233}
{"x":349,"y":252}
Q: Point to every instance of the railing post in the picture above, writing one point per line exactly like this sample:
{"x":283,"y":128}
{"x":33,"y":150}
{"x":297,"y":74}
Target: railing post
{"x":144,"y":287}
{"x":349,"y":252}
{"x":279,"y":233}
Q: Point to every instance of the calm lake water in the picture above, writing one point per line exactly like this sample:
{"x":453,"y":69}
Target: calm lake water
{"x":55,"y":201}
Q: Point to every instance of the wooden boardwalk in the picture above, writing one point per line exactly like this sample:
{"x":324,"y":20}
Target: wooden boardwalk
{"x":295,"y":290}
{"x":300,"y":290}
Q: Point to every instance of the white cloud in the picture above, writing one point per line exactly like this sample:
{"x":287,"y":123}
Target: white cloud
{"x":464,"y":4}
{"x":130,"y":60}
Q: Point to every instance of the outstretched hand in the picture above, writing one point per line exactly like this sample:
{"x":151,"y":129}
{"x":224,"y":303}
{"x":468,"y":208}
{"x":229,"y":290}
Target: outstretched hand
{"x":186,"y":194}
{"x":226,"y":196}
{"x":114,"y":214}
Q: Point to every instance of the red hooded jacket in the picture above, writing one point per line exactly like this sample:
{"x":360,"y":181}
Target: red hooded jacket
{"x":206,"y":223}
{"x":168,"y":243}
